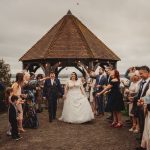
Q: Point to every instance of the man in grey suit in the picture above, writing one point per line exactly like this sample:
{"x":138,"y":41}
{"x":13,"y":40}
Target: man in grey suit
{"x":101,"y":81}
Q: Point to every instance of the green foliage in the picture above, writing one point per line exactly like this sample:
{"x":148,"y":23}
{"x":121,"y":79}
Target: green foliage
{"x":5,"y":75}
{"x":5,"y":81}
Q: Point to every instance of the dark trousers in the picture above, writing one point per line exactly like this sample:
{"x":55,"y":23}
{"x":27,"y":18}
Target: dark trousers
{"x":100,"y":104}
{"x":52,"y":107}
{"x":141,"y":120}
{"x":14,"y":130}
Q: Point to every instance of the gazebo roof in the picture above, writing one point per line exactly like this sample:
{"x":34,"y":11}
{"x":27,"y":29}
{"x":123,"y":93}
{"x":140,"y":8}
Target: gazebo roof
{"x":69,"y":38}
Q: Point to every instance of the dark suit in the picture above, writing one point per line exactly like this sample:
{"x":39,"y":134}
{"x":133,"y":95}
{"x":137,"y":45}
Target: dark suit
{"x":100,"y":80}
{"x":51,"y":92}
{"x":140,"y":109}
{"x":13,"y":121}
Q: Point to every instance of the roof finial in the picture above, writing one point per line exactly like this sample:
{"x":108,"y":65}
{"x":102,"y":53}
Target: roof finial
{"x":69,"y":12}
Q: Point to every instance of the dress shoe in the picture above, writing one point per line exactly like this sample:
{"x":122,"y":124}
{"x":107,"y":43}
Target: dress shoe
{"x":17,"y":138}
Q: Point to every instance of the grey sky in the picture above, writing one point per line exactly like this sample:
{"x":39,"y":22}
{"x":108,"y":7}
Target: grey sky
{"x":123,"y":25}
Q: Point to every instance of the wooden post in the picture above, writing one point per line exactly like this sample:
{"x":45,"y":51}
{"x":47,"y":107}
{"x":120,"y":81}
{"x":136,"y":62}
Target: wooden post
{"x":47,"y":68}
{"x":91,"y":66}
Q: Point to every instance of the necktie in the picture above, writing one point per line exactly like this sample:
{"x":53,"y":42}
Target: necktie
{"x":141,"y":88}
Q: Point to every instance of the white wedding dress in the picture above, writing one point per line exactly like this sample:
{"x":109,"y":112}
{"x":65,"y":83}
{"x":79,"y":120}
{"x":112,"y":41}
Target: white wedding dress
{"x":146,"y":134}
{"x":76,"y":107}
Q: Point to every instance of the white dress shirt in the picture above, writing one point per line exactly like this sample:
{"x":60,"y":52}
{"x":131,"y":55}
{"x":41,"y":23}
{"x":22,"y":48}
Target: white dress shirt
{"x":52,"y":81}
{"x":144,"y":86}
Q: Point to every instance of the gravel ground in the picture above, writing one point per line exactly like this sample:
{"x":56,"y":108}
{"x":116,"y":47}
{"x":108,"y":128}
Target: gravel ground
{"x":95,"y":135}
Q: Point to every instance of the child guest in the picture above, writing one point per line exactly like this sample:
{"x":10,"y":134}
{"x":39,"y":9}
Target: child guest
{"x":13,"y":118}
{"x":8,"y":94}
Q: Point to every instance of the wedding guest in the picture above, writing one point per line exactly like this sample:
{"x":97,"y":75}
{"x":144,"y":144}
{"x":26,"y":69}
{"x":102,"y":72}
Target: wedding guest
{"x":117,"y":104}
{"x":13,"y":118}
{"x":145,"y":101}
{"x":39,"y":92}
{"x":30,"y":116}
{"x":108,"y":70}
{"x":17,"y":91}
{"x":101,"y":82}
{"x":92,"y":91}
{"x":133,"y":89}
{"x":32,"y":86}
{"x":143,"y":88}
{"x":8,"y":94}
{"x":85,"y":83}
{"x":130,"y":72}
{"x":85,"y":79}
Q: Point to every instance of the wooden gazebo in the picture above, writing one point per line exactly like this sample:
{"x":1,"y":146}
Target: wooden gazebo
{"x":66,"y":43}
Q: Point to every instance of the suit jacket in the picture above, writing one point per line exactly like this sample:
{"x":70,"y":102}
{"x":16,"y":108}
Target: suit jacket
{"x":147,"y":94}
{"x":12,"y":113}
{"x":137,"y":96}
{"x":52,"y":90}
{"x":101,"y":81}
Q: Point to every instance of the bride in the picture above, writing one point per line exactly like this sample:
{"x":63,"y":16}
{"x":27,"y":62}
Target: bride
{"x":76,"y":107}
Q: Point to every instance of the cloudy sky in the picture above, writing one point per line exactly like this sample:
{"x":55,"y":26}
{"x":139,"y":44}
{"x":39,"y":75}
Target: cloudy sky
{"x":123,"y":25}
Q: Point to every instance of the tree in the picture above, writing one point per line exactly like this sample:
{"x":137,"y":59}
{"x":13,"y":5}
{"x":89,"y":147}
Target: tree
{"x":5,"y":75}
{"x":4,"y":82}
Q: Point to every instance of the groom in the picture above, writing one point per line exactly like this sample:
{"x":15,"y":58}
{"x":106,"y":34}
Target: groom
{"x":52,"y":89}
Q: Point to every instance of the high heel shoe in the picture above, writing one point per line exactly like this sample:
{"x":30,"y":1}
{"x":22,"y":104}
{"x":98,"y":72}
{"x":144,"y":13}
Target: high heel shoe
{"x":118,"y":125}
{"x":113,"y":124}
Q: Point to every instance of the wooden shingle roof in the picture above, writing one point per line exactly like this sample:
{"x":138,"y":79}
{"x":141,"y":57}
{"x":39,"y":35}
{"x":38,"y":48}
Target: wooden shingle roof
{"x":69,"y":38}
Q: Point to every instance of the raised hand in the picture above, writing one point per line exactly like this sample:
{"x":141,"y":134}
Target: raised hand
{"x":98,"y":94}
{"x":140,"y":102}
